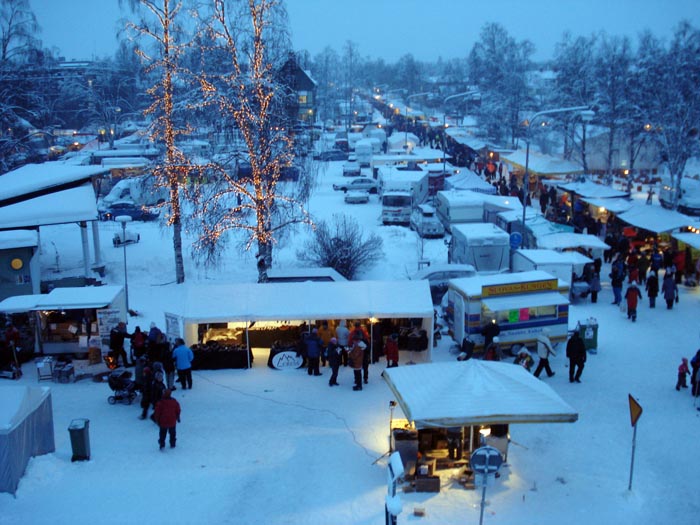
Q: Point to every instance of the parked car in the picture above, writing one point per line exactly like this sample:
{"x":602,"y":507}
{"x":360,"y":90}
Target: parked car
{"x":425,"y":222}
{"x":333,"y":154}
{"x":439,"y":275}
{"x":357,"y":197}
{"x":136,"y":212}
{"x":361,"y":183}
{"x":351,"y":168}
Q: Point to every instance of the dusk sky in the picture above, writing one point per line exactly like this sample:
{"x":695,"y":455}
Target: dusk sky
{"x":389,"y":29}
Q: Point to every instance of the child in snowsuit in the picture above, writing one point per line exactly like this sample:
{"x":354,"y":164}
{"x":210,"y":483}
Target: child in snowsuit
{"x":682,"y":372}
{"x":391,"y":351}
{"x":167,"y":415}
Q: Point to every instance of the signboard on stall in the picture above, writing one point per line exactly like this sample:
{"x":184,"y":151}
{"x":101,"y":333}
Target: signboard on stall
{"x":172,"y":326}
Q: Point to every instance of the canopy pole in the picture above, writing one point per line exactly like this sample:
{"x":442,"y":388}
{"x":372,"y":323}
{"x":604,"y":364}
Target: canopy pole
{"x":247,"y":342}
{"x":371,"y":340}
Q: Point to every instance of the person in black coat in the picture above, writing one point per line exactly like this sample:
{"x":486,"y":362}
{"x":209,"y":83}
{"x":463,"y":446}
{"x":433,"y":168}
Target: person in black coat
{"x":652,"y":288}
{"x":490,"y":331}
{"x":334,"y":359}
{"x":576,"y":352}
{"x":116,"y":343}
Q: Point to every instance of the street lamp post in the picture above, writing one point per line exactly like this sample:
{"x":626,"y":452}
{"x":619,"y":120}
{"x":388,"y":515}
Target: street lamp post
{"x":586,"y":115}
{"x":124,"y":219}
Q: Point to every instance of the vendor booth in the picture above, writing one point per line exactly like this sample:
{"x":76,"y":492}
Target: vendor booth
{"x":26,"y":430}
{"x":522,"y":304}
{"x":276,"y":315}
{"x":452,"y":408}
{"x":72,"y":320}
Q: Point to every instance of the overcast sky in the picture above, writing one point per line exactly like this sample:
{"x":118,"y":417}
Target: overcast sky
{"x":389,"y":29}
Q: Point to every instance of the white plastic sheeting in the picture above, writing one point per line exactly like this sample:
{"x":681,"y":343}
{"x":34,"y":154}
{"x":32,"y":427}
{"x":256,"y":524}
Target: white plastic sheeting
{"x":26,"y":430}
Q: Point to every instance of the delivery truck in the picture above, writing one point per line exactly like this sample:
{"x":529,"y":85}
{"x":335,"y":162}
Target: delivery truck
{"x":400,"y":191}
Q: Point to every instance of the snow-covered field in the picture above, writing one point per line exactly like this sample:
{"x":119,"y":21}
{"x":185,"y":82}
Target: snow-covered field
{"x":280,"y":447}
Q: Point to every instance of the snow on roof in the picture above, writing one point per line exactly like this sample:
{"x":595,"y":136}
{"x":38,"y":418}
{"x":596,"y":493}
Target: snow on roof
{"x":466,"y":197}
{"x":542,"y":164}
{"x":37,"y":177}
{"x":468,"y":180}
{"x":592,"y":189}
{"x":548,"y":256}
{"x":71,"y":298}
{"x":52,"y":209}
{"x":18,"y":239}
{"x":612,"y":205}
{"x":462,"y":136}
{"x":655,"y":218}
{"x":305,"y":274}
{"x":474,"y":392}
{"x":306,"y":300}
{"x":564,"y":240}
{"x":474,"y":230}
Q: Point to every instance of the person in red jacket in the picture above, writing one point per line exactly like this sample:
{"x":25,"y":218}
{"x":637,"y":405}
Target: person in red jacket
{"x":391,"y":351}
{"x":167,"y":415}
{"x":633,"y":295}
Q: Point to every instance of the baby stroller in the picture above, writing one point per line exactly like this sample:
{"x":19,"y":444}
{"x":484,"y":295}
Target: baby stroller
{"x":123,"y":387}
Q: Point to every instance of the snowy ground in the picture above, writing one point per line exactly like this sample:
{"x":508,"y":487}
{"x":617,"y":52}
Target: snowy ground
{"x":279,"y":447}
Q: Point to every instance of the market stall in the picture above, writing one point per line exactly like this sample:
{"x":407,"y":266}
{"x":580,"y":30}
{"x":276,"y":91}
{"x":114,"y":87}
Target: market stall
{"x":522,"y":303}
{"x":452,"y":407}
{"x":265,"y":315}
{"x":72,"y":320}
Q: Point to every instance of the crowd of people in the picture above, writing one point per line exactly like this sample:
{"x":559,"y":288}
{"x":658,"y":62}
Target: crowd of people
{"x":155,"y":362}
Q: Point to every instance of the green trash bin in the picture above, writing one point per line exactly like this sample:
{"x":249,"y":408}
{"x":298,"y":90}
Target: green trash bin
{"x":80,"y":439}
{"x":589,"y":334}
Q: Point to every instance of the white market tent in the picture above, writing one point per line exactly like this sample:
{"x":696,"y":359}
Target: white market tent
{"x":691,"y":239}
{"x":474,"y":392}
{"x":468,"y":180}
{"x":588,"y":189}
{"x":613,"y":205}
{"x":542,"y":164}
{"x":655,"y":218}
{"x":568,"y":240}
{"x":26,"y":430}
{"x":304,"y":301}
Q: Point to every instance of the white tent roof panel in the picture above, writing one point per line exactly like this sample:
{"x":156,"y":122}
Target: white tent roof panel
{"x":305,"y":300}
{"x":473,"y":392}
{"x":63,"y":299}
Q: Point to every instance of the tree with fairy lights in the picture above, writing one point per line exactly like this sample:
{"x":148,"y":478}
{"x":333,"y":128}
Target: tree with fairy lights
{"x":252,"y":36}
{"x":161,"y":22}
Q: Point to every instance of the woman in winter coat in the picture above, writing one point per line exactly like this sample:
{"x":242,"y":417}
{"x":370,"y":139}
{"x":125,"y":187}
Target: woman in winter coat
{"x":652,"y":288}
{"x":669,"y":289}
{"x":356,"y":358}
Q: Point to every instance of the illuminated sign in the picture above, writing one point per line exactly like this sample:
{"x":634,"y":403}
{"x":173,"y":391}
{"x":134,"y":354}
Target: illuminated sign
{"x":516,"y":288}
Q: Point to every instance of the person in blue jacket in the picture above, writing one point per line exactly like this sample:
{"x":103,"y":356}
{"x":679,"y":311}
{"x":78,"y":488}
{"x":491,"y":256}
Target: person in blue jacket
{"x":183,"y":357}
{"x":314,"y":347}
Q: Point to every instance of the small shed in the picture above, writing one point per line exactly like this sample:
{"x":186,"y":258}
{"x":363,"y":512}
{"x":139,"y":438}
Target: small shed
{"x":26,"y":430}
